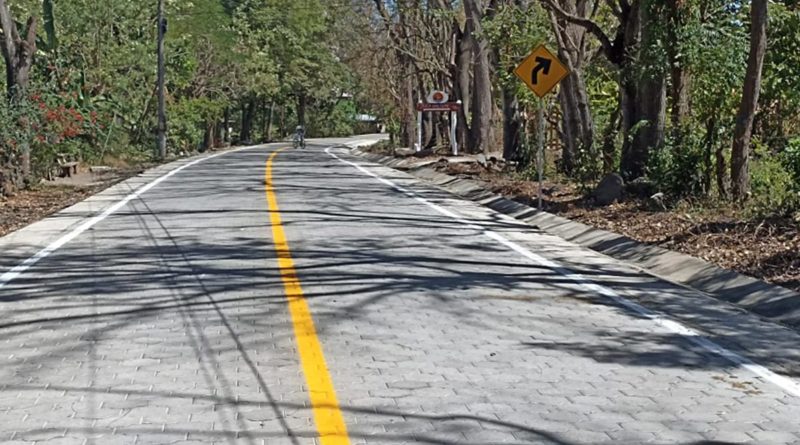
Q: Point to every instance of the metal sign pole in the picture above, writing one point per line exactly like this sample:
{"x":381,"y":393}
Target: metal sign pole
{"x":453,"y":142}
{"x":455,"y":128}
{"x":540,"y":150}
{"x":541,"y":71}
{"x":419,"y":129}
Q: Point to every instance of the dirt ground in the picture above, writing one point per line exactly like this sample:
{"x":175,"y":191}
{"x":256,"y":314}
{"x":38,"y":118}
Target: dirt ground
{"x":49,"y":197}
{"x":767,"y":249}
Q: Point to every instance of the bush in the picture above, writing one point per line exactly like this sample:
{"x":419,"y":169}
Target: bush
{"x":791,"y":160}
{"x":185,"y":128}
{"x":677,"y":169}
{"x":774,"y":189}
{"x":337,"y":121}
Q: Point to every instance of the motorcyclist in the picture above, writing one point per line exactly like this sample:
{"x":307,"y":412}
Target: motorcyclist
{"x":299,"y":137}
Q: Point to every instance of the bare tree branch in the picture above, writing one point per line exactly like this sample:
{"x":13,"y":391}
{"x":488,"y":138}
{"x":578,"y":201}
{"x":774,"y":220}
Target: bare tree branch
{"x":590,"y":25}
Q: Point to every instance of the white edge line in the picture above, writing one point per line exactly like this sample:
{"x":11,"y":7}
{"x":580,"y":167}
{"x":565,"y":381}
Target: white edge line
{"x":19,"y":269}
{"x":785,"y":383}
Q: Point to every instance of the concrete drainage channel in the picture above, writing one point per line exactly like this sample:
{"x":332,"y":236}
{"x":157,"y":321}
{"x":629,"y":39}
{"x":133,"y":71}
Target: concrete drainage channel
{"x":771,"y":302}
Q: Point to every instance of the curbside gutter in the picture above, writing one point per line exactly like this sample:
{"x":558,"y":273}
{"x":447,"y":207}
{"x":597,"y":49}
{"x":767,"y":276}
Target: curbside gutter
{"x":769,"y":301}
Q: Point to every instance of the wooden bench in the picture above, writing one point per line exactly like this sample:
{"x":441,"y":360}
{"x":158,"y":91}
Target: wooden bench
{"x":67,"y":164}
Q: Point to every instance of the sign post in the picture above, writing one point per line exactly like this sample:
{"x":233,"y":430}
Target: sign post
{"x":541,"y":71}
{"x":438,"y":101}
{"x":418,"y":148}
{"x":454,"y":129}
{"x":540,"y":150}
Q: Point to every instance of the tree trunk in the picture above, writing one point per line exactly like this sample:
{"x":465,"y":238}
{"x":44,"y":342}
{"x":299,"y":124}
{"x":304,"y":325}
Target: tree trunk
{"x":512,"y":125}
{"x":710,"y":142}
{"x":18,"y":54}
{"x":629,"y":115}
{"x":740,"y":156}
{"x":644,"y":102}
{"x":482,"y":104}
{"x":722,"y":177}
{"x":248,"y":115}
{"x":577,"y":121}
{"x":264,"y":116}
{"x":301,"y":109}
{"x":208,"y":136}
{"x":408,"y":131}
{"x":283,"y":120}
{"x":463,"y":83}
{"x":226,"y":135}
{"x":680,"y":76}
{"x":270,"y":115}
{"x":11,"y":176}
{"x":609,"y":138}
{"x":650,"y":117}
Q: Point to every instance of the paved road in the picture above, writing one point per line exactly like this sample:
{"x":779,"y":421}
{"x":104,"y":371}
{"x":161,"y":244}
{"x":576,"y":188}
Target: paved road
{"x":183,"y":317}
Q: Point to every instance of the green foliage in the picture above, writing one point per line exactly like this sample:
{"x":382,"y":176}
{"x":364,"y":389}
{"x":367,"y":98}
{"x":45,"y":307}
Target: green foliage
{"x":717,"y":47}
{"x":791,"y":160}
{"x":93,"y":84}
{"x":49,"y":27}
{"x":17,"y":128}
{"x":339,"y":121}
{"x":774,"y":189}
{"x":188,"y":118}
{"x":515,"y":32}
{"x":780,"y":97}
{"x":677,"y":168}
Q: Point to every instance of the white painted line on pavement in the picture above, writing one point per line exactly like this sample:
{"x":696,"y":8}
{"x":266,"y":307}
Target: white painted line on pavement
{"x":57,"y":244}
{"x":787,"y":384}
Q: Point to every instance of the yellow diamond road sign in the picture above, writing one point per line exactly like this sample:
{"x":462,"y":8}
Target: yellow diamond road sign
{"x":541,"y":71}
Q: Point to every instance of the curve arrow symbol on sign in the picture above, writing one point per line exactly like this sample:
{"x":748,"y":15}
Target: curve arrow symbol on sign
{"x":542,"y":65}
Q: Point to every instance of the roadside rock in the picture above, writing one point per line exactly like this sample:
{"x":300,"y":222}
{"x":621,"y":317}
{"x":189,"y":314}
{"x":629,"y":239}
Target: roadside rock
{"x":640,"y":188}
{"x":100,"y":169}
{"x":423,"y":153}
{"x":609,"y":190}
{"x":404,"y":151}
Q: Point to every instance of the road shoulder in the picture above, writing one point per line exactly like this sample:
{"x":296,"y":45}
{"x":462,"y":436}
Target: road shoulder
{"x":774,"y":303}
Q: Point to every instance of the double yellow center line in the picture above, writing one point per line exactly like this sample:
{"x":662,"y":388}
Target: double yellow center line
{"x":327,"y":415}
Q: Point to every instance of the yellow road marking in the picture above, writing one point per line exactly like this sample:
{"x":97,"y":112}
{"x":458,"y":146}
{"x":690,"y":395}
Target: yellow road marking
{"x":327,"y":415}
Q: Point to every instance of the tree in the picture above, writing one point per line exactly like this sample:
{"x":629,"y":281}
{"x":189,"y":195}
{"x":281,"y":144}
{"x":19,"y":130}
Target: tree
{"x":574,"y":49}
{"x":740,"y":156}
{"x":511,"y":27}
{"x":680,"y":76}
{"x":644,"y":101}
{"x":642,"y":92}
{"x":18,"y":54}
{"x":430,"y":48}
{"x":481,"y":135}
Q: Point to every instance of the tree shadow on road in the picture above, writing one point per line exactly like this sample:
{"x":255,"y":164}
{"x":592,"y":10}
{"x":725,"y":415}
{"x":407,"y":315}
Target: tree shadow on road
{"x":211,"y":273}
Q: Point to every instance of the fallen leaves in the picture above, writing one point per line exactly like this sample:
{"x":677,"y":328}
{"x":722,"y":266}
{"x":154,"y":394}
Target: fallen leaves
{"x":29,"y":206}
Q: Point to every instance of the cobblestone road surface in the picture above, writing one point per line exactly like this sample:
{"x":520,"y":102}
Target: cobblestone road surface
{"x":167,"y":323}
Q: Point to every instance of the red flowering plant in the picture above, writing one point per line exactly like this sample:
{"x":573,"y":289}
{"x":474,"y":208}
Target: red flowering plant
{"x":63,"y":119}
{"x":61,"y":125}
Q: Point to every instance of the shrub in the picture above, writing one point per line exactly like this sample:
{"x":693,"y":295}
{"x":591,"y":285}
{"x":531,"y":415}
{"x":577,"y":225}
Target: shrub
{"x":677,"y":168}
{"x":791,"y":160}
{"x":774,"y":188}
